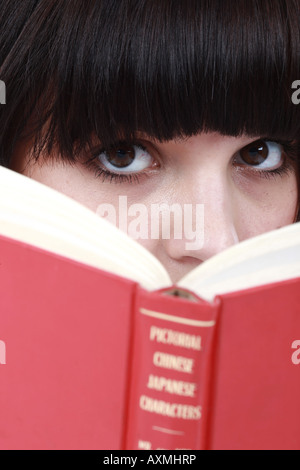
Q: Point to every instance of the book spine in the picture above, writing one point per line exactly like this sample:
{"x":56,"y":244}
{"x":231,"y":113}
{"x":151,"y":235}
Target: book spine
{"x":172,"y":352}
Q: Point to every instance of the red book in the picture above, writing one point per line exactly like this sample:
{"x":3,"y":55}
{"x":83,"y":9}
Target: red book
{"x":95,"y":353}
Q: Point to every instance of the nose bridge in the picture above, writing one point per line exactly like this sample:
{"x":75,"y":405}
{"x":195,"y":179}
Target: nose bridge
{"x":216,"y":192}
{"x":210,"y":197}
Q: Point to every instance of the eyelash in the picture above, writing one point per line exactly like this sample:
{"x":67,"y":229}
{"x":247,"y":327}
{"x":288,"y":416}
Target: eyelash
{"x":290,"y":150}
{"x":115,"y":177}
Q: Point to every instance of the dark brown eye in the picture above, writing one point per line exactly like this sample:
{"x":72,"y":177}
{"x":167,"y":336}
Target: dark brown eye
{"x":255,"y":153}
{"x":121,"y":156}
{"x":125,"y":158}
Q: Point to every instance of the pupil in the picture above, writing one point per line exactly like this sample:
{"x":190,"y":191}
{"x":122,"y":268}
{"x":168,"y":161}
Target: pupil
{"x":255,"y":154}
{"x":121,"y":157}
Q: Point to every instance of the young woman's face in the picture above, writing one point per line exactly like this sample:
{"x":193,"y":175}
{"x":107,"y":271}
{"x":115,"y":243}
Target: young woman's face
{"x":245,"y":186}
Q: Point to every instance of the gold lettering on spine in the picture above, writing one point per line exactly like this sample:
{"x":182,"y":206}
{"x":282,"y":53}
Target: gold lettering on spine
{"x":176,"y":338}
{"x":169,"y":361}
{"x":178,"y":387}
{"x":172,"y":410}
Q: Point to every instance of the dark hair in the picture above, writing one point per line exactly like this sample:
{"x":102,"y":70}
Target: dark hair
{"x":169,"y":68}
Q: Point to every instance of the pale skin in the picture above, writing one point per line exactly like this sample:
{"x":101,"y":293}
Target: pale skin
{"x":240,"y":200}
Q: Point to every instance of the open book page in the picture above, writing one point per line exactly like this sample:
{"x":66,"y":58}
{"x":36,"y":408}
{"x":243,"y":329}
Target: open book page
{"x":38,"y":215}
{"x":265,"y":259}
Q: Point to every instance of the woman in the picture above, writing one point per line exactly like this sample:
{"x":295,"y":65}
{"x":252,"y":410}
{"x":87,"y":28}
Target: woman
{"x":185,"y":102}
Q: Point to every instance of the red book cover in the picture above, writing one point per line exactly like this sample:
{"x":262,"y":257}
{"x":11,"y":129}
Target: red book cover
{"x":255,"y":394}
{"x":66,"y":329}
{"x":240,"y":354}
{"x":90,"y":360}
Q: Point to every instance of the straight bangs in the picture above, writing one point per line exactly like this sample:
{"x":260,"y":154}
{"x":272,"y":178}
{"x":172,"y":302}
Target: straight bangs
{"x":111,"y":69}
